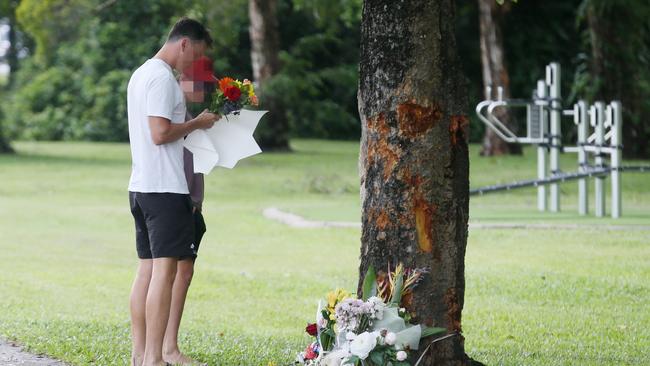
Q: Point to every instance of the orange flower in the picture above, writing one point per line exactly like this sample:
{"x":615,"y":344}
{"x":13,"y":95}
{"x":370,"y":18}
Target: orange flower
{"x":224,"y":83}
{"x":253,"y":99}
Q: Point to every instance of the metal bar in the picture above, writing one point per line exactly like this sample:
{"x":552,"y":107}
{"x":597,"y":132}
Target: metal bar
{"x":558,"y":178}
{"x":541,"y":150}
{"x":488,"y":123}
{"x":616,"y":121}
{"x":634,"y":168}
{"x":598,"y":122}
{"x":571,"y":149}
{"x":553,"y":81}
{"x":496,"y":121}
{"x":600,"y":150}
{"x":580,"y":118}
{"x":589,"y":148}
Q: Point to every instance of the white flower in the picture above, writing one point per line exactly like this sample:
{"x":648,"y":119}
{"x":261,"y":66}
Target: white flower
{"x":300,"y":358}
{"x":375,"y":307}
{"x":334,"y":358}
{"x":401,"y":356}
{"x":363,"y":344}
{"x":348,"y":313}
{"x":390,"y":338}
{"x":350,"y":336}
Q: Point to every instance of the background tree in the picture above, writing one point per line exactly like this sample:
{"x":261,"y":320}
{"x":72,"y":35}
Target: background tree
{"x":8,"y":10}
{"x":495,"y":72}
{"x":265,"y":46}
{"x":414,"y":163}
{"x":618,"y":64}
{"x":69,"y":77}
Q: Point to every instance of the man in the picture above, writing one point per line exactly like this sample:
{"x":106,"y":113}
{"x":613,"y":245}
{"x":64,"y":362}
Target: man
{"x":158,"y":192}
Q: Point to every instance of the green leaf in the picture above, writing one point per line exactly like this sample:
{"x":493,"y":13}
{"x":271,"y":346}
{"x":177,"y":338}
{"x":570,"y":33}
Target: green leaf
{"x":370,"y":283}
{"x":377,"y":357}
{"x":397,"y":289}
{"x":329,"y":332}
{"x":430,"y":331}
{"x":352,"y":360}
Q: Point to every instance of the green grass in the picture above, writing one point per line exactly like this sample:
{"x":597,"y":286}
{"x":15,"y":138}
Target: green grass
{"x":536,"y":297}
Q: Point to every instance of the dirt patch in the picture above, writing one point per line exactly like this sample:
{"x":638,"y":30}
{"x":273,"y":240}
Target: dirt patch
{"x":296,"y":221}
{"x":11,"y":354}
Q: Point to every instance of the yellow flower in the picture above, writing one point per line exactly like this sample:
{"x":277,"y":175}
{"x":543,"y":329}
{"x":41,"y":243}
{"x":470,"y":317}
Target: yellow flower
{"x":334,"y":297}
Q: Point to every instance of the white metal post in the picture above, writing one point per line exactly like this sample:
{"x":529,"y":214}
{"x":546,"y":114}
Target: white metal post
{"x":580,"y":119}
{"x":616,"y":119}
{"x":553,"y":81}
{"x":541,"y":149}
{"x":597,"y":121}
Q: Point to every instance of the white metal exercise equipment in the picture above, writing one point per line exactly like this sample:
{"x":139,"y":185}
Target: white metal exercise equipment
{"x":544,"y":129}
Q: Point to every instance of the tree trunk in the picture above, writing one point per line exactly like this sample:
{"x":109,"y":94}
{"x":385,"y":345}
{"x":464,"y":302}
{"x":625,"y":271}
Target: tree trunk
{"x":414,"y":163}
{"x":5,"y":148}
{"x":265,"y":45}
{"x":495,"y":73}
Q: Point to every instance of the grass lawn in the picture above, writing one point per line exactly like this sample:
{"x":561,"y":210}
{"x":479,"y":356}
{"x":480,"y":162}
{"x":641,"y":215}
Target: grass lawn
{"x":533,"y":297}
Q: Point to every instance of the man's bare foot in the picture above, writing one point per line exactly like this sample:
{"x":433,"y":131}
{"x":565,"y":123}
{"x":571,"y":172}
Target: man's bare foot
{"x":177,"y":358}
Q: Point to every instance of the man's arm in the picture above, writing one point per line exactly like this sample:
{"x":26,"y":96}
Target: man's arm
{"x":163,"y":131}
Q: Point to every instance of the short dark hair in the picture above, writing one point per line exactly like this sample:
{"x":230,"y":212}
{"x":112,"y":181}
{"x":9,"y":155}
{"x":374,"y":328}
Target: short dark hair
{"x":190,"y":28}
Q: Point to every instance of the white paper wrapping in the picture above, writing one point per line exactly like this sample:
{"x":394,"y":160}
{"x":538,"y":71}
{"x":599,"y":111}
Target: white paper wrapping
{"x":227,"y":142}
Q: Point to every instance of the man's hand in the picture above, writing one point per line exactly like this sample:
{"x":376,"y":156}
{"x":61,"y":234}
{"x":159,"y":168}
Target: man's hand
{"x":163,"y":131}
{"x":206,"y":119}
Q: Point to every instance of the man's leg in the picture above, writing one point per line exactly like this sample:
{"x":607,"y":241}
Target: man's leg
{"x":137,"y":304}
{"x":158,"y":304}
{"x":171,"y":352}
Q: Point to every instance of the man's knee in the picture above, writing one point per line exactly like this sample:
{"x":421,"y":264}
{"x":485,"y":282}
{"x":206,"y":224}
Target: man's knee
{"x":164,"y":269}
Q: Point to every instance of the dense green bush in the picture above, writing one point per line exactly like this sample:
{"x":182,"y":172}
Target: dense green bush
{"x":47,"y":108}
{"x":317,"y":90}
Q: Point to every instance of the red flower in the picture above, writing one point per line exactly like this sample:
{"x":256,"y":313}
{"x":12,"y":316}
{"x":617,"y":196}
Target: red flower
{"x":233,"y":93}
{"x":310,"y":353}
{"x":311,"y":329}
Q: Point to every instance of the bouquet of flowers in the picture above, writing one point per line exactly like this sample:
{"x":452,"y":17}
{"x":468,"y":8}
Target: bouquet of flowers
{"x":232,"y":95}
{"x":372,"y":331}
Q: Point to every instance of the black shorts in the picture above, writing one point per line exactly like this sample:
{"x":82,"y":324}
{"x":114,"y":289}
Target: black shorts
{"x":164,"y":225}
{"x":199,"y":230}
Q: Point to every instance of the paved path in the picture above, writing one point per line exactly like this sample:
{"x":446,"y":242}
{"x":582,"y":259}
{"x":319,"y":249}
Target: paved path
{"x":296,"y":221}
{"x":13,"y":355}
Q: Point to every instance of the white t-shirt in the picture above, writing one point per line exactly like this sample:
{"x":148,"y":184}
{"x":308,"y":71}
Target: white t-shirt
{"x":153,"y":91}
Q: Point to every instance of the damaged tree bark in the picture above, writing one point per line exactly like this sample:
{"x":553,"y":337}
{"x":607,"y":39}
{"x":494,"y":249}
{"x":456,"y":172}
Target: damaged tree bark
{"x":414,"y":163}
